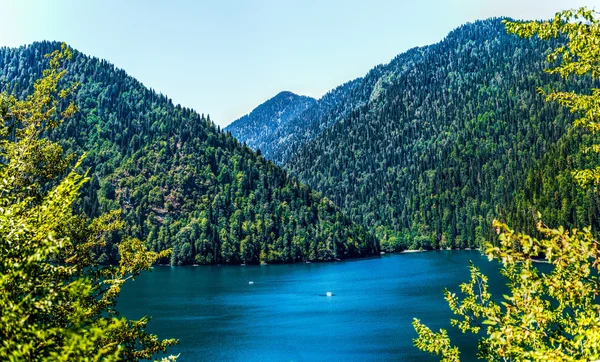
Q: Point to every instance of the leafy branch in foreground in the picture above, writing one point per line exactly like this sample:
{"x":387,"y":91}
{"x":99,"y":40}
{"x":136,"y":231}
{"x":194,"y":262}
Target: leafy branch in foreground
{"x":580,"y":56}
{"x":57,"y":302}
{"x":549,"y":316}
{"x":546,"y":315}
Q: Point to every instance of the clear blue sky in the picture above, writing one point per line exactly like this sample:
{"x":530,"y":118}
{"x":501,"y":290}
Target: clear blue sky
{"x":224,"y":57}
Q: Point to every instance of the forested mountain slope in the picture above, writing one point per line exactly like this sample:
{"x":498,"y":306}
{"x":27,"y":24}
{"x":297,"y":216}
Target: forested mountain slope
{"x":445,"y":142}
{"x":271,"y":116}
{"x":180,"y":180}
{"x":279,"y":141}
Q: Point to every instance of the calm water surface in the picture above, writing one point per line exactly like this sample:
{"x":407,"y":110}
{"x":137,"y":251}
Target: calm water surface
{"x":285,"y":315}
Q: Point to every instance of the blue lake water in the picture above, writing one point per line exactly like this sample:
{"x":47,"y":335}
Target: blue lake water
{"x":285,"y":315}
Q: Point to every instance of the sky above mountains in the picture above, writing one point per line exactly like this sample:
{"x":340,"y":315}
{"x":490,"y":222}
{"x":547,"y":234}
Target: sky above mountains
{"x":226,"y":57}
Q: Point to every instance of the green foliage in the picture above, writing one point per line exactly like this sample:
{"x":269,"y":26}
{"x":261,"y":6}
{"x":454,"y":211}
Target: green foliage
{"x":57,"y":303}
{"x":181,"y":182}
{"x":578,"y":57}
{"x":435,"y":343}
{"x":548,"y":315}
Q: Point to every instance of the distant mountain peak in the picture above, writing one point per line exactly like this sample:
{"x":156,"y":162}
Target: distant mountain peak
{"x":272,"y":114}
{"x":286,"y":94}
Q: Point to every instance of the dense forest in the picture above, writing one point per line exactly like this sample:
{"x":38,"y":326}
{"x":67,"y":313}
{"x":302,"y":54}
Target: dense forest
{"x":549,"y":188}
{"x":451,"y":136}
{"x":181,"y":181}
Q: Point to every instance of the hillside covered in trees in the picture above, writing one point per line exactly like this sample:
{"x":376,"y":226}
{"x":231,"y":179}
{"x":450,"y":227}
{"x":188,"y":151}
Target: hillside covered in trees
{"x":180,"y":180}
{"x":448,"y":138}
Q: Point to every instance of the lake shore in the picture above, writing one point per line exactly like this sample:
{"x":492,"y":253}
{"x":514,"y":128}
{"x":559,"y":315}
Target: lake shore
{"x":374,"y":256}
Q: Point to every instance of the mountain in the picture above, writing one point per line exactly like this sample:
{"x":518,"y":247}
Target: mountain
{"x":278,"y":141}
{"x":271,"y":117}
{"x":181,"y":181}
{"x":444,"y":141}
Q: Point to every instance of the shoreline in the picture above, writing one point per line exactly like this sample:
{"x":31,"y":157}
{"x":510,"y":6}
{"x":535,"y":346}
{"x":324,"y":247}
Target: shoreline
{"x":374,"y":256}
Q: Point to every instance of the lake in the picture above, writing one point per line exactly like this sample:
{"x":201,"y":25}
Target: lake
{"x":286,"y":315}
